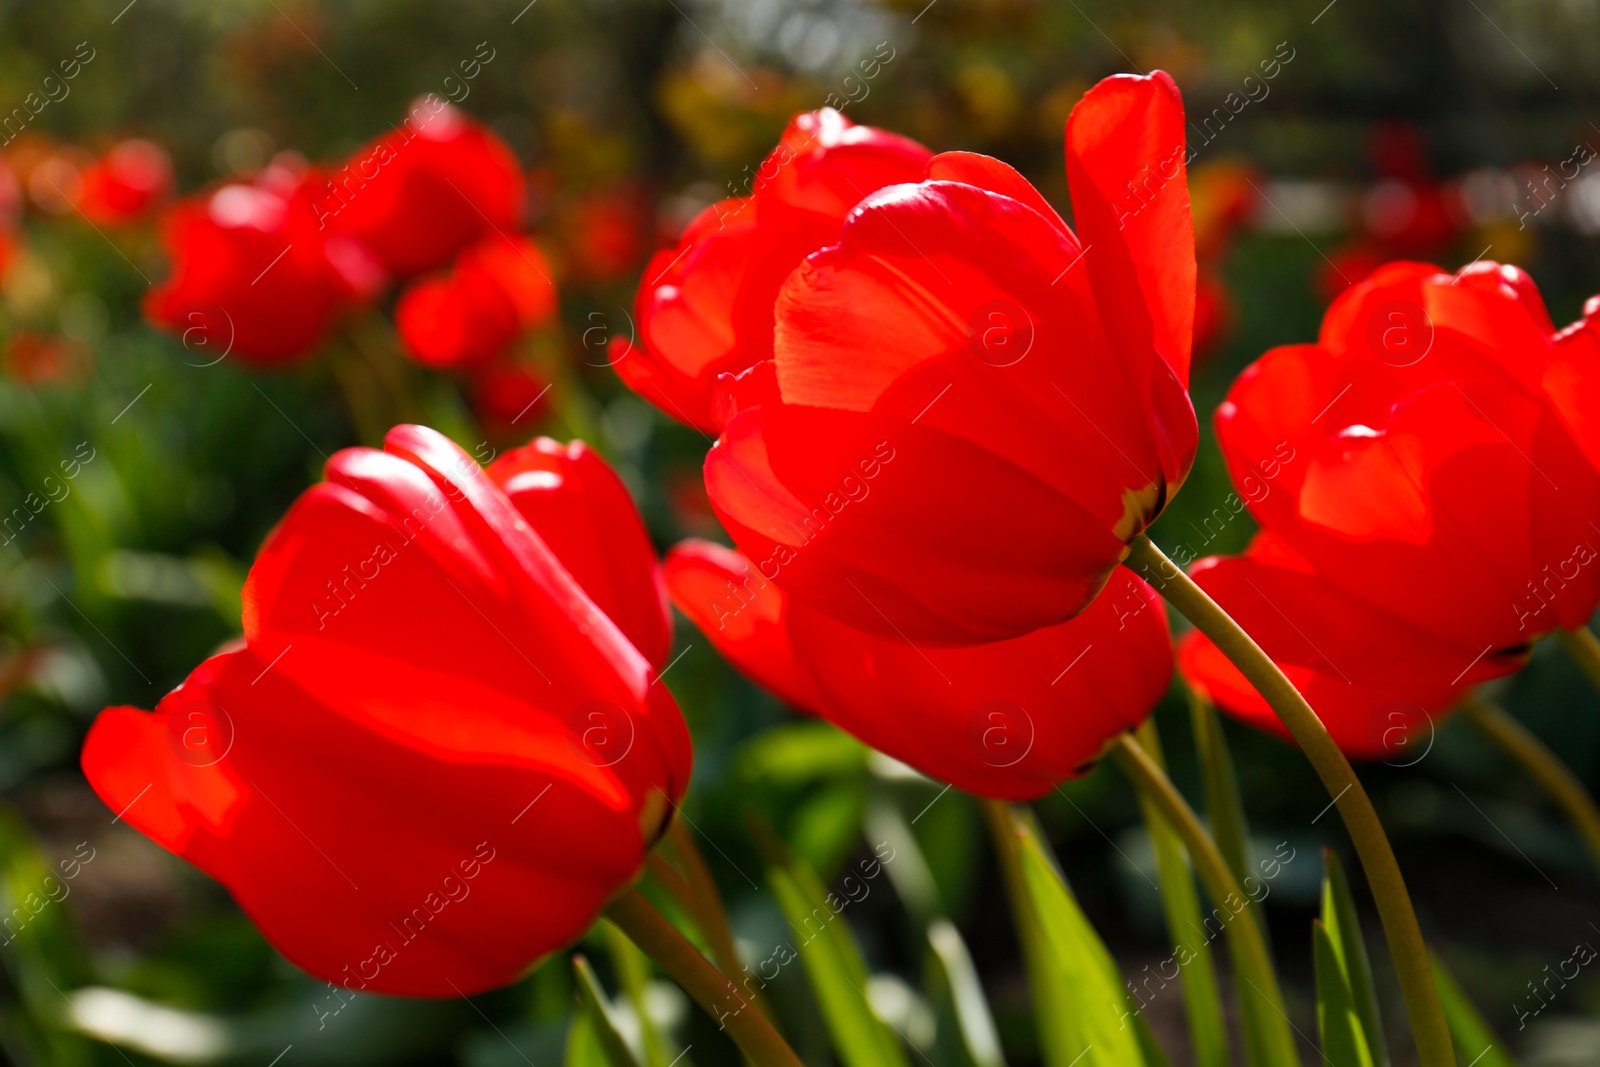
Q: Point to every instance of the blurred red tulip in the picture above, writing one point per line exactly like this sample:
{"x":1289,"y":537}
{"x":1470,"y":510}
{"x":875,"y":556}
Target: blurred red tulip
{"x":1214,"y":313}
{"x":970,"y":412}
{"x":580,"y":507}
{"x":1407,"y":214}
{"x":11,"y":202}
{"x":252,"y":275}
{"x":605,"y":234}
{"x":705,"y":308}
{"x":10,"y":248}
{"x":518,"y":267}
{"x":408,"y":747}
{"x":1008,"y":719}
{"x":33,"y":358}
{"x":125,"y":183}
{"x":1428,"y":509}
{"x":418,"y":196}
{"x":508,"y":395}
{"x":453,"y":322}
{"x":500,"y":287}
{"x":1223,"y":196}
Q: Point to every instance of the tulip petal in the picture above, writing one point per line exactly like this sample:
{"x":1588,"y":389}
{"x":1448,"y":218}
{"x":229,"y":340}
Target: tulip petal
{"x":427,"y":899}
{"x":1009,"y":719}
{"x":1127,"y":133}
{"x":744,"y":616}
{"x":583,"y":513}
{"x":1356,"y":663}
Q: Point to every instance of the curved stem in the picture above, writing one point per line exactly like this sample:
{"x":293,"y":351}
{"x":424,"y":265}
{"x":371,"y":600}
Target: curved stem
{"x":1518,"y":742}
{"x":706,"y":901}
{"x":718,"y":997}
{"x":1582,"y":645}
{"x":665,"y":873}
{"x":1428,"y":1026}
{"x":1245,"y":941}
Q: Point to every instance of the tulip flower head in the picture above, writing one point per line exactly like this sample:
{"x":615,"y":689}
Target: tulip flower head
{"x":125,"y":183}
{"x":705,"y":308}
{"x":252,"y":275}
{"x":971,"y":408}
{"x":433,"y":758}
{"x":1007,"y":719}
{"x":416,"y":197}
{"x":1434,"y":506}
{"x":499,"y":288}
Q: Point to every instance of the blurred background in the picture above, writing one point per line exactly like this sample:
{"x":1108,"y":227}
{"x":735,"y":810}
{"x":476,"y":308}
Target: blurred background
{"x":1444,"y":130}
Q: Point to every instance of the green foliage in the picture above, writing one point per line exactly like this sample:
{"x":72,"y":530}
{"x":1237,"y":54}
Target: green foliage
{"x":1475,"y":1042}
{"x":834,"y":963}
{"x":601,"y":1025}
{"x":1344,"y":1043}
{"x":1080,"y":1006}
{"x":1343,"y":933}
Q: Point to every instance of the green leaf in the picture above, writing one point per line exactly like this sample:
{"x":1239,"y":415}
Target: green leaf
{"x":834,"y":965}
{"x":1263,"y":1034}
{"x":799,"y":753}
{"x":597,"y":1009}
{"x":951,"y":981}
{"x":1224,"y":806}
{"x":42,"y":955}
{"x":832,"y":959}
{"x":1180,"y":901}
{"x":583,"y":1044}
{"x":979,"y":1038}
{"x":910,"y":874}
{"x":1344,"y":931}
{"x":1475,"y":1042}
{"x":1079,"y":1002}
{"x":633,"y":968}
{"x":1344,"y":1043}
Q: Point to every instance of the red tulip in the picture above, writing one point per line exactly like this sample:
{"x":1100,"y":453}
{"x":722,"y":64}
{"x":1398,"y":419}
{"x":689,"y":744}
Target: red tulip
{"x":970,"y":411}
{"x":586,"y":517}
{"x":34,"y":358}
{"x":453,"y":322}
{"x":419,"y":195}
{"x":604,"y":233}
{"x":519,"y":269}
{"x":1214,"y":313}
{"x":705,"y":307}
{"x":252,"y":275}
{"x":125,"y":183}
{"x":1427,"y":510}
{"x":509,"y":395}
{"x":420,"y":771}
{"x":499,"y":288}
{"x":1008,"y":719}
{"x":1377,"y":681}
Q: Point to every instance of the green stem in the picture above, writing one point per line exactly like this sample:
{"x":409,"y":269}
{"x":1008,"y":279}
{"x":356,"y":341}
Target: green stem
{"x":1180,"y":901}
{"x":1518,"y":742}
{"x":716,"y":995}
{"x":1245,"y":941}
{"x":1224,"y":805}
{"x":1582,"y":645}
{"x":705,"y":903}
{"x":1404,"y":935}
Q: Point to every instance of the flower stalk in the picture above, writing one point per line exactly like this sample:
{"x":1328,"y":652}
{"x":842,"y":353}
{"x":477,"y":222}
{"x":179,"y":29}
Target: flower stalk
{"x":1553,"y":776}
{"x":1410,"y":953}
{"x":1584,"y":648}
{"x":717,"y":996}
{"x":1245,"y":940}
